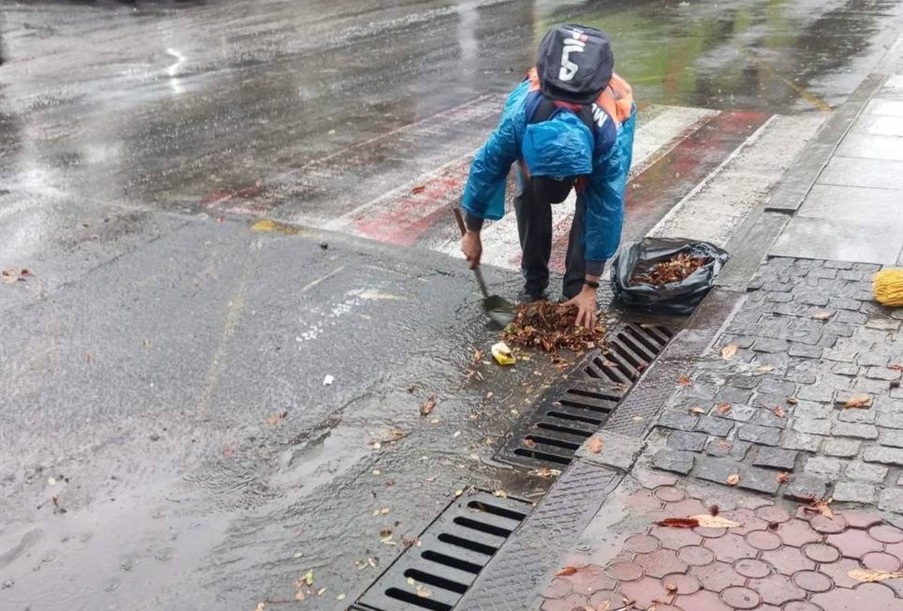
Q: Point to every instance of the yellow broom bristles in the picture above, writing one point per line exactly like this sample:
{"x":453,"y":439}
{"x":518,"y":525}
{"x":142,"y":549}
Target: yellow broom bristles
{"x":888,"y":287}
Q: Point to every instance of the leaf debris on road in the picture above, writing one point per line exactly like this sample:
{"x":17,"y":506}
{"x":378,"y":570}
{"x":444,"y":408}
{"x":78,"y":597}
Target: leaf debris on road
{"x":428,"y":406}
{"x":858,"y":402}
{"x":549,"y":326}
{"x":676,"y":269}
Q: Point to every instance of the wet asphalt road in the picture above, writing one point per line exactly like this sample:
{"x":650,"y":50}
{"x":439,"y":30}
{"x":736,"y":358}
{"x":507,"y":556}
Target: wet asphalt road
{"x":159,"y":334}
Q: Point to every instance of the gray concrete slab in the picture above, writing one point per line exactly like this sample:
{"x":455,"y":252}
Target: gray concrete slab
{"x":857,"y":172}
{"x":854,"y":204}
{"x":870,"y":146}
{"x":879,"y":125}
{"x":881,"y":106}
{"x":864,"y":241}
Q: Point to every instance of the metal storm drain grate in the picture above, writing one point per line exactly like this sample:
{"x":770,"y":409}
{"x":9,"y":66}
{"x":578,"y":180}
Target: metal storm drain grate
{"x":452,"y":552}
{"x":629,"y":352}
{"x":570,"y":412}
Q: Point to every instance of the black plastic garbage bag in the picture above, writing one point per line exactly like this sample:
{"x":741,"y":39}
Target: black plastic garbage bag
{"x":671,"y":298}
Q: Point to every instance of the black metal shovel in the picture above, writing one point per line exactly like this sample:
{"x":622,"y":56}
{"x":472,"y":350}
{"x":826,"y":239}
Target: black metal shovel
{"x":499,"y":310}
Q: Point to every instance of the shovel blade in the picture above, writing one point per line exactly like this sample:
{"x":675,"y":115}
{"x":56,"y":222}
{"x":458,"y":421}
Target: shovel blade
{"x":499,"y":310}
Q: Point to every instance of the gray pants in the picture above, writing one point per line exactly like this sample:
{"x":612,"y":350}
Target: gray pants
{"x":534,"y":226}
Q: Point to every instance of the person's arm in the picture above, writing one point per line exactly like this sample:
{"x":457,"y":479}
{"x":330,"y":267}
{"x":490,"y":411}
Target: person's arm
{"x":604,"y":199}
{"x":484,"y":193}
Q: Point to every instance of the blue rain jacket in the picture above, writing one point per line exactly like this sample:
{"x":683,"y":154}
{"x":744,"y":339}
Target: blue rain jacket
{"x":557,"y":148}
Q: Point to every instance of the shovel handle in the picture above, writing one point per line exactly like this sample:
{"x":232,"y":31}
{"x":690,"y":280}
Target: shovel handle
{"x":460,"y":218}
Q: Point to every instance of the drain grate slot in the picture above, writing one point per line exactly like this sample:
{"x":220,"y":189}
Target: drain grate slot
{"x":451,"y":553}
{"x":473,"y":546}
{"x":435,"y":580}
{"x":575,"y":409}
{"x":415,"y":600}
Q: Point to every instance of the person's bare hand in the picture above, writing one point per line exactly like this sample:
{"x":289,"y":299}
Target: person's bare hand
{"x":586,"y":307}
{"x":472,"y":247}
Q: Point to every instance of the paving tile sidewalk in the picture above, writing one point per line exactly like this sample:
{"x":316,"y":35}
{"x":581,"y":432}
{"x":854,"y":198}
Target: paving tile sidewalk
{"x":781,"y":557}
{"x":760,"y":431}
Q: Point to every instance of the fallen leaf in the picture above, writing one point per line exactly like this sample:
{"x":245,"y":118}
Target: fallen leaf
{"x":11,"y":276}
{"x":308,"y":577}
{"x":595,"y":445}
{"x":427,"y":407}
{"x":710,"y":521}
{"x":733,"y":480}
{"x":340,"y":597}
{"x":729,"y":351}
{"x":605,"y":605}
{"x":822,"y":315}
{"x":895,"y":367}
{"x":381,"y":512}
{"x":276,"y":418}
{"x":679,"y":522}
{"x":410,"y":541}
{"x":529,"y":443}
{"x":792,"y":401}
{"x":696,"y":410}
{"x":724,"y":408}
{"x":873,"y":575}
{"x":546,"y":472}
{"x":764,"y":369}
{"x":418,"y":189}
{"x":388,"y":540}
{"x":478,"y":356}
{"x":823,"y":507}
{"x":783,"y":477}
{"x":779,"y":411}
{"x":670,"y":588}
{"x":684,"y":380}
{"x":458,"y":492}
{"x":260,"y":607}
{"x":566,"y":571}
{"x":321,"y":591}
{"x":423,"y":591}
{"x":859,"y":401}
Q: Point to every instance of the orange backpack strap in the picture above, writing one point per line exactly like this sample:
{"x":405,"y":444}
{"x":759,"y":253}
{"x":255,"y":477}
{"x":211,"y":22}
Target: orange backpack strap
{"x":617,"y":99}
{"x":533,"y":77}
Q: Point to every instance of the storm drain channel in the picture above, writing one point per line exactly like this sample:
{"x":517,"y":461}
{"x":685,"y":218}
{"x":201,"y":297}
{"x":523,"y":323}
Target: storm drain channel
{"x":452,"y":551}
{"x":573,"y":410}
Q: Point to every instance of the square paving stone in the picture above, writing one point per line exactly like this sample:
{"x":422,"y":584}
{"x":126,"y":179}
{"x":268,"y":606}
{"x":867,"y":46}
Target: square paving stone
{"x":851,"y":429}
{"x":762,"y":435}
{"x":845,"y":448}
{"x":891,"y":499}
{"x":775,"y":458}
{"x":833,"y":202}
{"x":740,"y":413}
{"x":866,"y":472}
{"x":813,"y":426}
{"x":729,"y":394}
{"x":859,"y":172}
{"x":864,"y":240}
{"x":719,"y":427}
{"x":854,"y":492}
{"x":793,"y":440}
{"x":687,"y":442}
{"x":677,"y":420}
{"x":872,"y":146}
{"x":805,"y":488}
{"x":767,"y":344}
{"x":734,"y":448}
{"x":674,"y":461}
{"x":879,"y":125}
{"x":824,"y":466}
{"x":883,"y":455}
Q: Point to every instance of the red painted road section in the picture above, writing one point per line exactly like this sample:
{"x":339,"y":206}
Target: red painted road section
{"x":403,"y":220}
{"x":651,"y":194}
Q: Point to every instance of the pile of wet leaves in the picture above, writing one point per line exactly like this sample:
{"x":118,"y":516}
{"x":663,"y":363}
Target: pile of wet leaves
{"x":550,"y":326}
{"x":673,"y":270}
